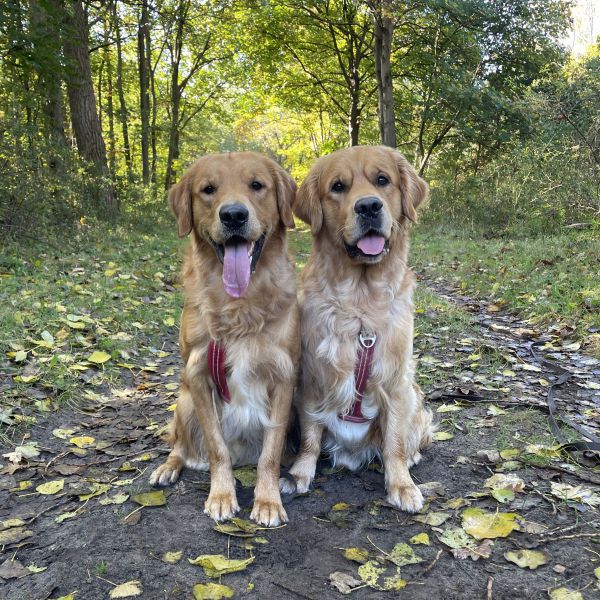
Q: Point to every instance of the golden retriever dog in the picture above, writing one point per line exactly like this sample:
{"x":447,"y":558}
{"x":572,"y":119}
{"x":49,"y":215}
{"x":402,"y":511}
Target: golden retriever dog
{"x":357,"y":383}
{"x":239,"y":335}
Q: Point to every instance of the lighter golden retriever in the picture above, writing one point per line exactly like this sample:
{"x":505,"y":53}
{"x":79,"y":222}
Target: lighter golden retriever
{"x":239,"y":334}
{"x":357,"y":294}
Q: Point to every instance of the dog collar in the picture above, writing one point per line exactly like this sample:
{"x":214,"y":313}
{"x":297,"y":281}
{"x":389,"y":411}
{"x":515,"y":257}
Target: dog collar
{"x":362,"y":372}
{"x":216,"y":367}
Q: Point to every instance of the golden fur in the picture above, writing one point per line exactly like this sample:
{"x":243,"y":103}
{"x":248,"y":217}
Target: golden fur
{"x":260,"y":332}
{"x":344,"y":295}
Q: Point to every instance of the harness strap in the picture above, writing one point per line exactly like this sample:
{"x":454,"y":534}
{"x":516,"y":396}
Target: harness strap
{"x":362,"y":372}
{"x":216,"y":367}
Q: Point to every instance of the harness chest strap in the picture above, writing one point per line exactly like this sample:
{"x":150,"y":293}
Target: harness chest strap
{"x":362,"y":372}
{"x":216,"y":368}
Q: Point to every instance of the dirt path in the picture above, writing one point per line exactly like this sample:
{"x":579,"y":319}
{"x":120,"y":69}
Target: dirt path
{"x":87,"y":546}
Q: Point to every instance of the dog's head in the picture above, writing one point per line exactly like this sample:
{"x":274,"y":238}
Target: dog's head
{"x":235,"y":202}
{"x":358,"y":197}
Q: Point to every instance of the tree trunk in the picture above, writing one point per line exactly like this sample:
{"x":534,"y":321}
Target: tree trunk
{"x":354,"y":121}
{"x":144,"y":90}
{"x":384,"y":31}
{"x":174,"y":128}
{"x":46,"y":23}
{"x":122,"y":112}
{"x":82,"y":103}
{"x":110,"y":110}
{"x":153,"y":140}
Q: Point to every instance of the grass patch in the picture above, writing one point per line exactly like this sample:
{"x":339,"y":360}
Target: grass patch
{"x":546,"y":279}
{"x":83,"y":314}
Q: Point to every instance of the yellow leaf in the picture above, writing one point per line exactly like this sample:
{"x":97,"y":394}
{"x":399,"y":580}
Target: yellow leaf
{"x":215,"y":565}
{"x":212,"y":591}
{"x":435,"y":519}
{"x":70,"y":596}
{"x":20,"y":356}
{"x":340,"y":506}
{"x":394,"y":583}
{"x":359,"y":555}
{"x":97,"y":490}
{"x":98,"y":357}
{"x":402,"y":554}
{"x":126,"y":590}
{"x":482,"y":525}
{"x":370,"y":573}
{"x":246,"y":476}
{"x":51,"y":487}
{"x":8,"y":523}
{"x":442,"y":436}
{"x":420,"y":538}
{"x":565,"y":594}
{"x":155,"y":498}
{"x":531,"y":559}
{"x":82,"y":441}
{"x":62,"y":434}
{"x":116,"y":499}
{"x":172,"y":557}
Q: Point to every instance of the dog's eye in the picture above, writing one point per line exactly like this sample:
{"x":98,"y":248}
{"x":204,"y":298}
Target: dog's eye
{"x":382,"y":180}
{"x":209,"y":189}
{"x":257,"y":186}
{"x":338,"y":187}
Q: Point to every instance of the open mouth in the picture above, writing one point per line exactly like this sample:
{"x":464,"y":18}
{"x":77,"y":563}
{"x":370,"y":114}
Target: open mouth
{"x":369,"y":247}
{"x":239,"y":257}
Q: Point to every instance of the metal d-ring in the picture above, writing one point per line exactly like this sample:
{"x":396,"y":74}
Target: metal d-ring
{"x":367,"y":340}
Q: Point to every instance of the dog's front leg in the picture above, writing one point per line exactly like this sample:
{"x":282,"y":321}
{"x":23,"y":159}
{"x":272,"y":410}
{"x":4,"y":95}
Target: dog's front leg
{"x":398,"y":448}
{"x":221,"y":503}
{"x":268,"y":509}
{"x":305,"y":465}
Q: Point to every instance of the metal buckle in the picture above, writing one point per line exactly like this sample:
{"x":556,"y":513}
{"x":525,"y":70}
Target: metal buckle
{"x":367,"y":340}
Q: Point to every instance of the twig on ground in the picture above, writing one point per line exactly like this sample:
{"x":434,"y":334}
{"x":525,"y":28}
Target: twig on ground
{"x":432,"y":564}
{"x":490,"y":583}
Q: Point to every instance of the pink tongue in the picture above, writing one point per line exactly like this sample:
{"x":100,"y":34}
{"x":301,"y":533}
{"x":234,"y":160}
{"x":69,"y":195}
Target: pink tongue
{"x":371,"y":244}
{"x":236,"y":269}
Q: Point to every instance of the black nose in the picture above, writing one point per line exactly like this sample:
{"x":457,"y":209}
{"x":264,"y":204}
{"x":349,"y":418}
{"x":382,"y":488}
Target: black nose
{"x":234,"y":215}
{"x":368,"y":207}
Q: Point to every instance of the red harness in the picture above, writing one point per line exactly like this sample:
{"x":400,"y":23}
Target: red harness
{"x":216,"y":368}
{"x":362,"y":371}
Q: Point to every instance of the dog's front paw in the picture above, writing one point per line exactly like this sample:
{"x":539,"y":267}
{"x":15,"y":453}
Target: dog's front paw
{"x":408,"y":498}
{"x":268,"y":512}
{"x":221,"y":506}
{"x":166,"y":474}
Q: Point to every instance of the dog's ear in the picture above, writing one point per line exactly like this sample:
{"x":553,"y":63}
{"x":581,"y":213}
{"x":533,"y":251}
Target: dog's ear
{"x":307,"y":205}
{"x":414,"y":190}
{"x":180,"y":199}
{"x":285,"y":188}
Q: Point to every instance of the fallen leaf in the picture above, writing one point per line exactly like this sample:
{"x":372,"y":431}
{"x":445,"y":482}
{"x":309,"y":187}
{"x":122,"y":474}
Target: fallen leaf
{"x":13,"y":569}
{"x":212,"y":591}
{"x":62,"y":434}
{"x":505,"y":481}
{"x":8,"y":523}
{"x":154,"y":498}
{"x":82,"y":441}
{"x":402,"y":554}
{"x":531,"y":559}
{"x":246,"y":476}
{"x":575,"y":493}
{"x":359,"y":555}
{"x":370,"y":573}
{"x":172,"y":557}
{"x":442,"y":436}
{"x":435,"y":519}
{"x":99,"y":358}
{"x":456,"y":538}
{"x":474,"y":552}
{"x":482,"y":525}
{"x":14,"y":535}
{"x":565,"y":594}
{"x":420,"y":538}
{"x":215,"y":565}
{"x":126,"y":590}
{"x":51,"y":487}
{"x":35,"y":569}
{"x":116,"y":499}
{"x":65,"y":516}
{"x":343,"y":582}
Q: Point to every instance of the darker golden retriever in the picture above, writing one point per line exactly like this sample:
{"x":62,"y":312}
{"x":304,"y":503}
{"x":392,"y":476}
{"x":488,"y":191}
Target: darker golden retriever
{"x":357,"y":377}
{"x":239,"y":333}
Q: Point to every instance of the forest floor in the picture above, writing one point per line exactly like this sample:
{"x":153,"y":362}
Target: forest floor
{"x":88,"y":377}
